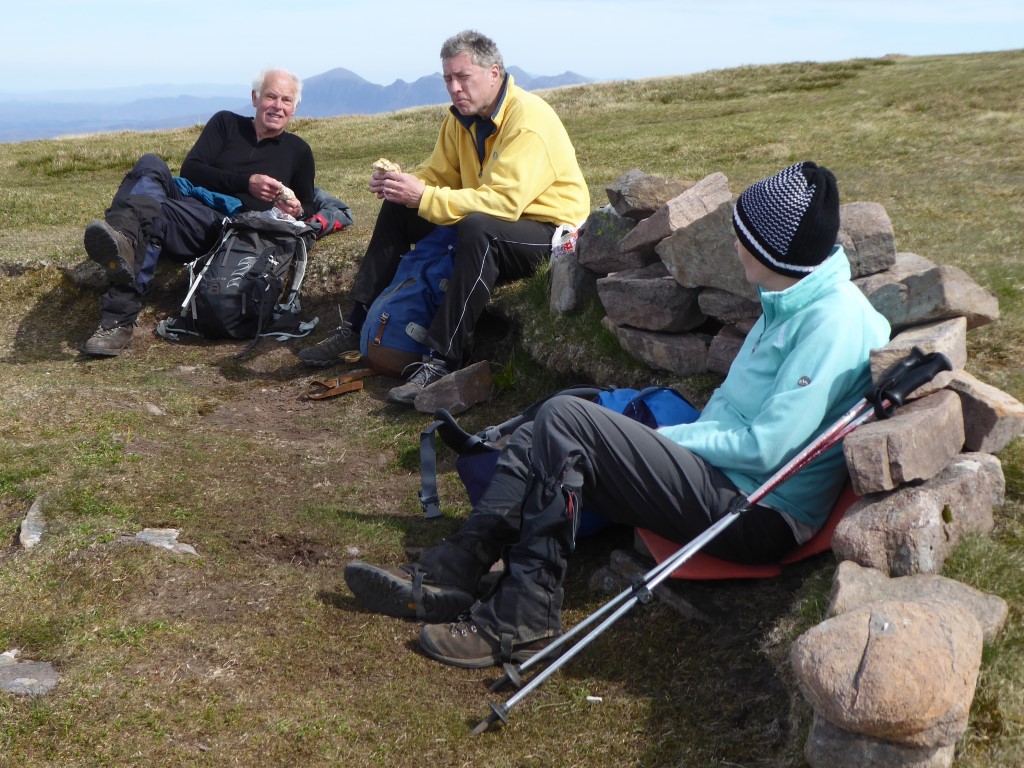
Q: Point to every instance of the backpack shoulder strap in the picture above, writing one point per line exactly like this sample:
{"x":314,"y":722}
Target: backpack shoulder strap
{"x":207,"y":258}
{"x":456,"y":438}
{"x":291,"y":299}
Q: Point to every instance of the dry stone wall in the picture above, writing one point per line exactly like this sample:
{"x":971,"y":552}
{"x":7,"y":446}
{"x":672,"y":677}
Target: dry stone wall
{"x":891,"y":673}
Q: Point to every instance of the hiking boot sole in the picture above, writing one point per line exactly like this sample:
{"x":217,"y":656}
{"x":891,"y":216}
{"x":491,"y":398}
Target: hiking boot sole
{"x":381,"y":591}
{"x":103,"y":351}
{"x":320,"y":363}
{"x":403,"y":395}
{"x":102,"y":246}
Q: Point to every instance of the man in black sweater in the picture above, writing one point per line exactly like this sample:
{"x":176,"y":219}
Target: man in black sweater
{"x":237,"y":163}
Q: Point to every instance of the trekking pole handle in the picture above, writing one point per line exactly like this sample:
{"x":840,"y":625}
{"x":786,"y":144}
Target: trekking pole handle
{"x":904,"y":377}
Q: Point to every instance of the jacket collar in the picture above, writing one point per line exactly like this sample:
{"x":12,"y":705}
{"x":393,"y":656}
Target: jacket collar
{"x":835,"y":269}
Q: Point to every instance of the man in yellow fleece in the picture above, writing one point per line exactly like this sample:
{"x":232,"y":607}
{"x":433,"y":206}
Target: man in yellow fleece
{"x":503,"y":173}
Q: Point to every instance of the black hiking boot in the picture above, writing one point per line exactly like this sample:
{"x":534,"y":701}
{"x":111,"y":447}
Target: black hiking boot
{"x":112,"y":250}
{"x":334,"y":349}
{"x":405,"y":592}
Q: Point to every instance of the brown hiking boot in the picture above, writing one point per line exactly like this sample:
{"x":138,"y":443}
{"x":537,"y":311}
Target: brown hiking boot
{"x":464,"y":644}
{"x":109,"y":342}
{"x":112,"y":250}
{"x":405,"y":592}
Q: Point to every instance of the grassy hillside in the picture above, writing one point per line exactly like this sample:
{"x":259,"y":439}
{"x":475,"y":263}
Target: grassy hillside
{"x":254,"y":653}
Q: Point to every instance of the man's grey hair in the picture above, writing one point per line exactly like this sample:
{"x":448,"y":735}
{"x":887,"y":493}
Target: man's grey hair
{"x":481,"y":48}
{"x":260,"y":81}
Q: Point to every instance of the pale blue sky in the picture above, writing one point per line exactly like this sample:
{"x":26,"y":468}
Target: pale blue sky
{"x":71,"y":44}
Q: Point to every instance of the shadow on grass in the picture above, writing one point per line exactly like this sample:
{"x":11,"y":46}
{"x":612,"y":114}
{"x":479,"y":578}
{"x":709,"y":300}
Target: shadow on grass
{"x":712,"y":693}
{"x":64,"y":312}
{"x":63,"y":315}
{"x":340,"y":600}
{"x":715,"y":692}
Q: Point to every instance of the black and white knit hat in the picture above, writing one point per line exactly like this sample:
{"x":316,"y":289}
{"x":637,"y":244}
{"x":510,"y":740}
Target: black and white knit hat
{"x":789,"y":221}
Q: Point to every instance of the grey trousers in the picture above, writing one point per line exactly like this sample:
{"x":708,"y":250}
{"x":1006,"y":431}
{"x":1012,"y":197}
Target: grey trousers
{"x":577,"y":452}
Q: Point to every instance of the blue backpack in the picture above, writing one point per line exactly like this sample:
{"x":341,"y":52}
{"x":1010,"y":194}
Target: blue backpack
{"x":478,"y":454}
{"x":397,"y":320}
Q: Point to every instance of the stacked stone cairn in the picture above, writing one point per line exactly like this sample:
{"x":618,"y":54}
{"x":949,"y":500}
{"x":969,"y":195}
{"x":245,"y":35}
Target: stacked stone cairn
{"x":891,"y":673}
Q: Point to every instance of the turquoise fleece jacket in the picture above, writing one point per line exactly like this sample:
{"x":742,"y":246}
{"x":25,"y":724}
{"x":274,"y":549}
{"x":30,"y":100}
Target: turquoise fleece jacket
{"x":802,"y":366}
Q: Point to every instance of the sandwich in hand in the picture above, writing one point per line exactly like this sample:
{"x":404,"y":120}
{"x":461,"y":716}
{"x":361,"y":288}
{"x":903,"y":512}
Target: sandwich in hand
{"x":384,"y":165}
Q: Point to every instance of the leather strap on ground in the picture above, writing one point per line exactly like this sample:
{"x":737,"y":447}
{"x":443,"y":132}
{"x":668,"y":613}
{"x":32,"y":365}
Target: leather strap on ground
{"x":349,"y":382}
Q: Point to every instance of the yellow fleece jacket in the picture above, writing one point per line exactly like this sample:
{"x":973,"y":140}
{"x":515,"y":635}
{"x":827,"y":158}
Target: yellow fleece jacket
{"x":529,"y":169}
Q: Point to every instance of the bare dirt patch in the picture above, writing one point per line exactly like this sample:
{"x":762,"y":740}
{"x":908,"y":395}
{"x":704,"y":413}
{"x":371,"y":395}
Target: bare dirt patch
{"x":270,"y":409}
{"x":289,"y":550}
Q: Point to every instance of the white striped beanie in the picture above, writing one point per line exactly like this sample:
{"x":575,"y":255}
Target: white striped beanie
{"x":789,"y":221}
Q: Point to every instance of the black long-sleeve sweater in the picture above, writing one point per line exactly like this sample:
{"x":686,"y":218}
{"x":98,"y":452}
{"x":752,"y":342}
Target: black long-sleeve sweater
{"x":227,"y":153}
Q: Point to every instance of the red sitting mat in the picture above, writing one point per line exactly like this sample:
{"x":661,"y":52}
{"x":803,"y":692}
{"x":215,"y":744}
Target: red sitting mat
{"x":706,"y":567}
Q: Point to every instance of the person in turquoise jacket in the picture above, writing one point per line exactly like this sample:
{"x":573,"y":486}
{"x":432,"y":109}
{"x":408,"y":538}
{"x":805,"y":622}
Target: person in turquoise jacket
{"x":802,"y":366}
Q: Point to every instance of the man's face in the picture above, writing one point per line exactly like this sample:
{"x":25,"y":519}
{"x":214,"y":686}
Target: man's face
{"x":472,"y":88}
{"x":274,"y":105}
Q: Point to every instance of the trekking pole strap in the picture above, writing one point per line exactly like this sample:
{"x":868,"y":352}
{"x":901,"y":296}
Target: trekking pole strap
{"x":298,"y":276}
{"x":453,"y":435}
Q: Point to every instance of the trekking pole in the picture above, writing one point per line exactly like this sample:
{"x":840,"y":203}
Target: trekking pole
{"x":881,"y":401}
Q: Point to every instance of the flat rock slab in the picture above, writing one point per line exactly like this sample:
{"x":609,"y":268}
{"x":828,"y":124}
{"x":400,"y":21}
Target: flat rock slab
{"x":867,"y":236}
{"x":992,"y":418}
{"x":914,"y":528}
{"x":161,"y":538}
{"x":28,"y":678}
{"x":33,"y":526}
{"x":829,"y":746}
{"x":854,"y":586}
{"x":458,"y":391}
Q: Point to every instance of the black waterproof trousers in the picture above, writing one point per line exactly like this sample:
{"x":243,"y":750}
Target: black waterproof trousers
{"x":487,"y":251}
{"x":577,"y":452}
{"x":161,"y":222}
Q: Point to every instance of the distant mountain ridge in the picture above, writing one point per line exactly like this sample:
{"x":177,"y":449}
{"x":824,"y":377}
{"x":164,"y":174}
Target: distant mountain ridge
{"x":336,"y":92}
{"x":343,"y":92}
